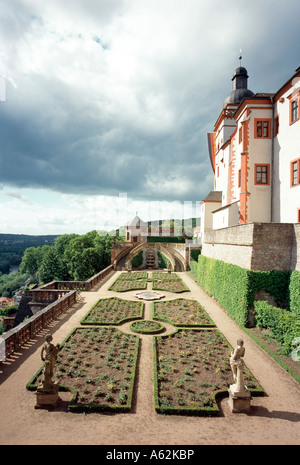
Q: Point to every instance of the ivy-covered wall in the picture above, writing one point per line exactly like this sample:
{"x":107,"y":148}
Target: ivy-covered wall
{"x":235,"y":287}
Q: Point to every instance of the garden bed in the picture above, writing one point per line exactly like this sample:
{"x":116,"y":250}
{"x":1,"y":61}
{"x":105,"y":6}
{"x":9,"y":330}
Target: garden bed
{"x":130,"y":282}
{"x":133,"y":275}
{"x":181,"y":312}
{"x":113,"y":311}
{"x":191,"y":369}
{"x":168,"y":282}
{"x":98,"y":366}
{"x":147,"y":327}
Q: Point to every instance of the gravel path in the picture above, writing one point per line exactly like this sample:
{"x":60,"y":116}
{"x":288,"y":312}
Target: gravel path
{"x":273,"y":419}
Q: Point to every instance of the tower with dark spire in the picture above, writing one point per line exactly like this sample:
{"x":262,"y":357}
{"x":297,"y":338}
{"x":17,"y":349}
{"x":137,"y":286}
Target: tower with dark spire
{"x":239,"y":87}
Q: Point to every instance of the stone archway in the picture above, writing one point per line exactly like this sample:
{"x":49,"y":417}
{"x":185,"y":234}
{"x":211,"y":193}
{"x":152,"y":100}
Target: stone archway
{"x":176,"y":259}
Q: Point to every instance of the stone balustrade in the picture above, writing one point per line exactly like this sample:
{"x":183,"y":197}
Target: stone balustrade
{"x":64,"y":294}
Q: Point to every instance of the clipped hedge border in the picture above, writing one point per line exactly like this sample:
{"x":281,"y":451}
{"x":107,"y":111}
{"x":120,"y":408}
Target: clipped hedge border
{"x":186,"y":325}
{"x":73,"y":406}
{"x":86,"y":321}
{"x":193,"y":411}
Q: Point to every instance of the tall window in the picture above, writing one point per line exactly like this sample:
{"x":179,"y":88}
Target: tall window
{"x":294,"y":107}
{"x":295,"y":110}
{"x":262,"y":175}
{"x":262,"y":128}
{"x":295,"y":172}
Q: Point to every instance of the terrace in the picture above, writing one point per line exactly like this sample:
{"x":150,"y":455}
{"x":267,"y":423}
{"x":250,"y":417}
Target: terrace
{"x":22,"y":424}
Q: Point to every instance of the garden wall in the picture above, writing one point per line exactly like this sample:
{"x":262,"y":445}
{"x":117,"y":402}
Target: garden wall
{"x":256,"y":246}
{"x":236,"y":288}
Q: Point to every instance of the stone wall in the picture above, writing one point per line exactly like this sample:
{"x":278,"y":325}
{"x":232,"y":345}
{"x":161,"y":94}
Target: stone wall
{"x":256,"y":246}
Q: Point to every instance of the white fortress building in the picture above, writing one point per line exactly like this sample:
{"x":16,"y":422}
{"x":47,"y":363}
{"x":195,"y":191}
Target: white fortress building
{"x":255,"y":155}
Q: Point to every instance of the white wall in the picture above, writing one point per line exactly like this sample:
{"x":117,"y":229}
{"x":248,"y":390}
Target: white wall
{"x":286,"y":149}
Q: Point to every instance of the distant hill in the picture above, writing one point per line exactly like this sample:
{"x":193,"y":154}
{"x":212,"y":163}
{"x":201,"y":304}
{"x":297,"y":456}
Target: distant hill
{"x":12,"y":247}
{"x":16,"y":238}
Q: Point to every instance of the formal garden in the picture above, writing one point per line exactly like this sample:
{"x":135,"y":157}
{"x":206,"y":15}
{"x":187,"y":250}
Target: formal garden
{"x":169,"y":282}
{"x":98,"y":366}
{"x":136,"y":280}
{"x":191,"y":370}
{"x":113,"y":311}
{"x":181,"y":312}
{"x":98,"y":361}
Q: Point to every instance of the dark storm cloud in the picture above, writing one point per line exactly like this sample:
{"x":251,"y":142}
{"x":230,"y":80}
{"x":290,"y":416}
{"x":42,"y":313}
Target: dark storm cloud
{"x":101,"y":106}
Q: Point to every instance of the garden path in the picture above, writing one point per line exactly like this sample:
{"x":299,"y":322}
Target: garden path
{"x":274,"y":419}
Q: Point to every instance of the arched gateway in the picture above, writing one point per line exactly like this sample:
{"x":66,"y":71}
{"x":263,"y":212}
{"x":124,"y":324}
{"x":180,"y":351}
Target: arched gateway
{"x":177,"y":254}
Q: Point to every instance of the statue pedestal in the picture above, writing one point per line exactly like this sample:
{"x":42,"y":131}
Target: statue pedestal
{"x":239,"y":399}
{"x":47,"y":398}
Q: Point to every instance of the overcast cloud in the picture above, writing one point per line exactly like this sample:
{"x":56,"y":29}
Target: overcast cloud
{"x":106,"y":97}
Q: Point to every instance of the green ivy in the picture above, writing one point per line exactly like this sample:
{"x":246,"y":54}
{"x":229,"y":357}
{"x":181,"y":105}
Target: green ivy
{"x":227,"y":283}
{"x":284,"y":325}
{"x":273,"y":282}
{"x":234,"y":287}
{"x":294,"y":292}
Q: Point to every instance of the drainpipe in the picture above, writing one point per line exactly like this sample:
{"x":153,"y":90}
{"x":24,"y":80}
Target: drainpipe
{"x":272,"y":161}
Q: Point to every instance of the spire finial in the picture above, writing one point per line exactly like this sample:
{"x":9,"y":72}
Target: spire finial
{"x":240,"y":57}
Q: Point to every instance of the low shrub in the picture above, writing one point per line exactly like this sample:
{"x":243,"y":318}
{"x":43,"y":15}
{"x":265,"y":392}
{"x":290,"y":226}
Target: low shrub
{"x":284,"y":325}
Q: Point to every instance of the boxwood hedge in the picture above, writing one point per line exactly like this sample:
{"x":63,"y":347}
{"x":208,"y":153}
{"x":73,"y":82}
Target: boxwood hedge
{"x":234,"y":287}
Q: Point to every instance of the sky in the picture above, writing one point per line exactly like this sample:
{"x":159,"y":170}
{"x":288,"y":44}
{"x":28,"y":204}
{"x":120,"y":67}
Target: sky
{"x":105,"y":105}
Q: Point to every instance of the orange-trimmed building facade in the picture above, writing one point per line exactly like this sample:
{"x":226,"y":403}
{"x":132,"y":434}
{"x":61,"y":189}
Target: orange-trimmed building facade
{"x":255,"y":155}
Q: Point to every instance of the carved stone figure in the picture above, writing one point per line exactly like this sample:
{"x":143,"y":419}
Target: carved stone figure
{"x":47,"y":392}
{"x":239,"y":396}
{"x":49,"y":355}
{"x":237,"y":363}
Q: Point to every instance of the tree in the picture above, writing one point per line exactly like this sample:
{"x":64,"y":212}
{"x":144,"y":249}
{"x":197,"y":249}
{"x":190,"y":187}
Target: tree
{"x":31,"y":260}
{"x":71,"y":257}
{"x":50,"y":268}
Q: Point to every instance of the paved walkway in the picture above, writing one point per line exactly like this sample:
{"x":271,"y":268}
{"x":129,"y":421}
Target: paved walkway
{"x":274,"y":419}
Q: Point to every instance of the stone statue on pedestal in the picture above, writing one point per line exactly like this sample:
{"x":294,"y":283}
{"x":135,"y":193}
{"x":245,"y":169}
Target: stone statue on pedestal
{"x":237,"y":364}
{"x":49,"y":354}
{"x":47,"y":392}
{"x":239,"y":396}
